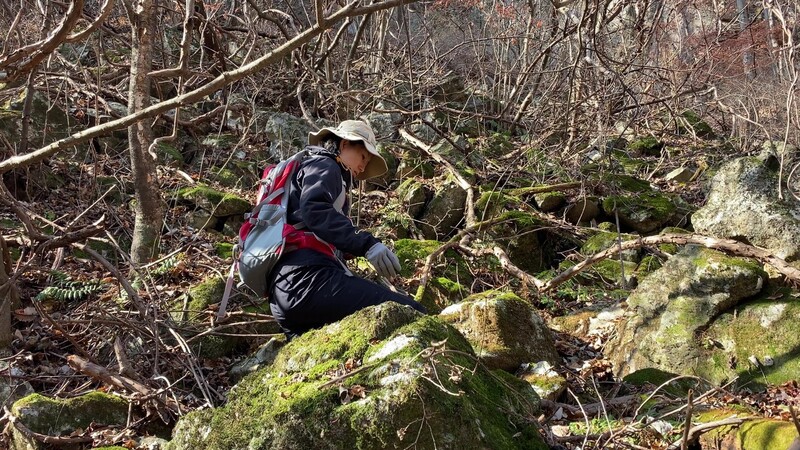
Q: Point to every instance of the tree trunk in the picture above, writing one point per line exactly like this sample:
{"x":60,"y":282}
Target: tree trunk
{"x":747,"y":53}
{"x":8,"y":296}
{"x":148,"y":206}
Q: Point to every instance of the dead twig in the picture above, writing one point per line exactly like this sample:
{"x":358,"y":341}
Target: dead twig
{"x":687,"y":424}
{"x":102,"y":374}
{"x":697,"y":430}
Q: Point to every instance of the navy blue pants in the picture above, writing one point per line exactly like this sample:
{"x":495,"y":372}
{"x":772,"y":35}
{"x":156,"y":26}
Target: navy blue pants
{"x":309,"y":290}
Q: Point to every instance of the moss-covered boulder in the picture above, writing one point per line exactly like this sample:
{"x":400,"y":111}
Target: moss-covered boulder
{"x":450,"y":279}
{"x":521,"y":233}
{"x":413,"y":195}
{"x":606,"y":238}
{"x":445,"y":211}
{"x":743,"y":203}
{"x":413,"y":165}
{"x":639,"y":207}
{"x":191,"y":310}
{"x":647,"y":146}
{"x":286,"y":133}
{"x":757,"y":342}
{"x":671,"y":309}
{"x":60,"y":417}
{"x":582,"y":210}
{"x":384,"y":180}
{"x":455,"y":156}
{"x":622,"y":264}
{"x":690,"y":122}
{"x":642,"y":212}
{"x":550,"y":201}
{"x":761,"y":434}
{"x":385,"y":377}
{"x":51,"y":122}
{"x":547,"y":383}
{"x":217,"y":203}
{"x":504,"y":330}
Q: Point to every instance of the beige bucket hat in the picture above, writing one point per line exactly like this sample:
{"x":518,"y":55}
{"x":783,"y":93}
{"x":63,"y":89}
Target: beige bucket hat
{"x":356,"y":130}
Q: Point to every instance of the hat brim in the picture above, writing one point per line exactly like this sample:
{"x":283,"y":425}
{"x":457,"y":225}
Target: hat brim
{"x":376,"y":166}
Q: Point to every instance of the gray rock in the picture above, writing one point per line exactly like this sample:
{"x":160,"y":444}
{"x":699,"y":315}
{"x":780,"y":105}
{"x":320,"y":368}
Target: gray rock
{"x":550,"y":201}
{"x":413,"y":195}
{"x":744,"y":203}
{"x":287,"y":134}
{"x":673,"y":305}
{"x":60,"y":417}
{"x":444,"y":211}
{"x":582,"y":210}
{"x":504,"y":330}
{"x":679,"y":175}
{"x":217,"y":203}
{"x":263,"y":357}
{"x":366,"y":381}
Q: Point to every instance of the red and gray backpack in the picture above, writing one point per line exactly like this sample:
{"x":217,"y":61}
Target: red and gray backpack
{"x":262,"y":237}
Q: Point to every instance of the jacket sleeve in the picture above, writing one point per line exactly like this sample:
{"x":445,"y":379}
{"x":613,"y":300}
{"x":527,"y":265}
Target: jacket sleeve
{"x":320,"y":184}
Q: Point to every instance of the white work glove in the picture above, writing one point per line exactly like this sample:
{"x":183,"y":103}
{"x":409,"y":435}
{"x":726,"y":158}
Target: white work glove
{"x":385,"y":262}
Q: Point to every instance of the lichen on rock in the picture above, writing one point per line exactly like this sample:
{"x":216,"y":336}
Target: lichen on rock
{"x":384,"y":377}
{"x":673,"y":306}
{"x":504,"y":330}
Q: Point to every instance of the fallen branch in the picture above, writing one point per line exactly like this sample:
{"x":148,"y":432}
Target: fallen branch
{"x":592,"y":408}
{"x":469,"y":208}
{"x":726,"y":245}
{"x":100,"y":373}
{"x":697,"y":430}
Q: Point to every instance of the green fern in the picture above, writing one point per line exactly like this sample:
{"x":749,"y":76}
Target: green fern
{"x":65,"y":289}
{"x":166,"y":266}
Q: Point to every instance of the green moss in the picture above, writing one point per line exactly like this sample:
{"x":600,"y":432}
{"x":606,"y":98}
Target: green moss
{"x":221,"y":141}
{"x":767,"y":434}
{"x":169,"y":153}
{"x":596,"y":426}
{"x":413,"y":254}
{"x":604,"y":240}
{"x":205,"y":294}
{"x":611,"y":270}
{"x":492,"y":203}
{"x":220,"y":204}
{"x":643,"y":212}
{"x":713,"y":260}
{"x":647,"y":145}
{"x":648,"y":265}
{"x":679,"y":386}
{"x":224,"y":249}
{"x":762,"y":434}
{"x":765,"y":326}
{"x":62,"y":416}
{"x":698,"y":126}
{"x":200,"y":298}
{"x":227,"y":177}
{"x":286,"y":406}
{"x":627,"y":183}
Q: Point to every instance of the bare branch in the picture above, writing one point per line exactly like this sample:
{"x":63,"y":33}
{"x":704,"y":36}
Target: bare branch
{"x":105,"y":11}
{"x":214,"y":85}
{"x":726,"y":245}
{"x":24,"y":59}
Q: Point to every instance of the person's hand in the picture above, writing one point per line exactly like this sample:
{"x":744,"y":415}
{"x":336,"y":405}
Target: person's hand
{"x":385,"y":262}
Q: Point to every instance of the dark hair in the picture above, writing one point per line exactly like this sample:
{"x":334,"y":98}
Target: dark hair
{"x":331,"y":143}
